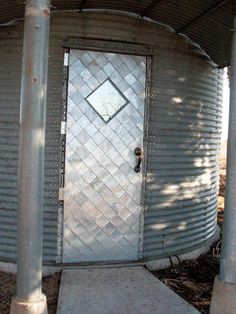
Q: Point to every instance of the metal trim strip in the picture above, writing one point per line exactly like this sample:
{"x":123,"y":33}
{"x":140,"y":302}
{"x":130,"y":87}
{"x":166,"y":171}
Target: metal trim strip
{"x":108,"y":46}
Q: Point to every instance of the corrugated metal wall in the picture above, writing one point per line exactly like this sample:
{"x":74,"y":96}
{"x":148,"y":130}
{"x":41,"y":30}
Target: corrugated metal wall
{"x":10,"y":59}
{"x":184,"y":126}
{"x":10,"y":73}
{"x":182,"y":175}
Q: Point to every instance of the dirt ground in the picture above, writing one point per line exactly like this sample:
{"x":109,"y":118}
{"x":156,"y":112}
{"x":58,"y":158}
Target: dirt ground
{"x":192,"y":280}
{"x":8,"y":285}
{"x":222,"y":185}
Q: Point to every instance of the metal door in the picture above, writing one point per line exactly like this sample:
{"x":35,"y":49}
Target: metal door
{"x":105,"y":117}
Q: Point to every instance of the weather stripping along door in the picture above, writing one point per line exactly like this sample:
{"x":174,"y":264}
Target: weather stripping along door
{"x":105,"y":117}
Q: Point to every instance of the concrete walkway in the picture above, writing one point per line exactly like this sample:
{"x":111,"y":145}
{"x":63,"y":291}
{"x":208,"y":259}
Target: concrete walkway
{"x":127,"y":290}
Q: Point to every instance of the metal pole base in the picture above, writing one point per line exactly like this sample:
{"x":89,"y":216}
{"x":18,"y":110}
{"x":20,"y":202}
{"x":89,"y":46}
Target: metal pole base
{"x":223,"y":298}
{"x":29,"y":307}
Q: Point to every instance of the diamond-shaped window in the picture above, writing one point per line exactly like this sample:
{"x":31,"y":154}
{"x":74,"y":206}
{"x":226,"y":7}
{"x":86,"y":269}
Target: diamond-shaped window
{"x":107,"y":100}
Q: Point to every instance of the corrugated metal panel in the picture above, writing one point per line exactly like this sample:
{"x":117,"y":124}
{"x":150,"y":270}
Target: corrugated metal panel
{"x":182,"y":176}
{"x":184,"y":129}
{"x":9,"y":106}
{"x":10,"y":65}
{"x":211,"y":31}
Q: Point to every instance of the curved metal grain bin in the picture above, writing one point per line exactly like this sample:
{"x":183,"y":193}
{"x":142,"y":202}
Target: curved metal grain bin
{"x":183,"y":109}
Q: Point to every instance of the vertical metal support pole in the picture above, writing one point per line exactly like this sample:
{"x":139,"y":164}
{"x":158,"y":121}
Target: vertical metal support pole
{"x":31,"y":158}
{"x":228,"y":254}
{"x":224,"y":290}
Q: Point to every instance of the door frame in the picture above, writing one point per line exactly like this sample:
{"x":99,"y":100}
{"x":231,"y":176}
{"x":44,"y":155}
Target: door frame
{"x":101,"y":45}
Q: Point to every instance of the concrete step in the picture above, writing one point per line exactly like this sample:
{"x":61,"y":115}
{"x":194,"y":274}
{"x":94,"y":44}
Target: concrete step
{"x":126,"y":290}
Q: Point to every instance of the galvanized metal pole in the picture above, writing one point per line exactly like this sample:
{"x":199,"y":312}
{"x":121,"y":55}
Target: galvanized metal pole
{"x":224,"y":291}
{"x":31,"y":156}
{"x":228,"y":255}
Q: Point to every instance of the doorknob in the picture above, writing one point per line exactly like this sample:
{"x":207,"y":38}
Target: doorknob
{"x":139,"y":154}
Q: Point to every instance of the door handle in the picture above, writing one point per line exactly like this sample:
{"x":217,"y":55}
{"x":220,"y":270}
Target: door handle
{"x":139,"y":154}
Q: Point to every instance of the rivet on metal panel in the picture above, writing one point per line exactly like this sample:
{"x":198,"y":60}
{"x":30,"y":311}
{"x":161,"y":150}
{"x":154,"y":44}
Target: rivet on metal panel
{"x":61,"y":194}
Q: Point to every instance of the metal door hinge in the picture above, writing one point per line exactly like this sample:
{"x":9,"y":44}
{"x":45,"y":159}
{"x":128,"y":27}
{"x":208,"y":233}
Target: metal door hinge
{"x":66,"y":59}
{"x":61,"y":194}
{"x":63,"y":127}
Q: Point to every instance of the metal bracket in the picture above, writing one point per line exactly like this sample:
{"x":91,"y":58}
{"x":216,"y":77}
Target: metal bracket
{"x":66,"y":59}
{"x":61,"y":194}
{"x":63,"y":127}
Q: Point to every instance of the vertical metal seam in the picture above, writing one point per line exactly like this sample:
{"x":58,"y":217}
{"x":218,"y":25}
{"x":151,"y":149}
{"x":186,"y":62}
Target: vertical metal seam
{"x":62,"y":157}
{"x":145,"y":149}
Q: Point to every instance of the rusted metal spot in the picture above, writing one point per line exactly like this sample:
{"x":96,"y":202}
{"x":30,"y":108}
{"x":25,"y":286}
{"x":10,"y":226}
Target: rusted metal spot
{"x":34,"y":11}
{"x":46,"y":12}
{"x":29,"y":68}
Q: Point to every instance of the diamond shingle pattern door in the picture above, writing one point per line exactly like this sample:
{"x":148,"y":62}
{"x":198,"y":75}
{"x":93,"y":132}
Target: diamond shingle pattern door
{"x":105,"y":115}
